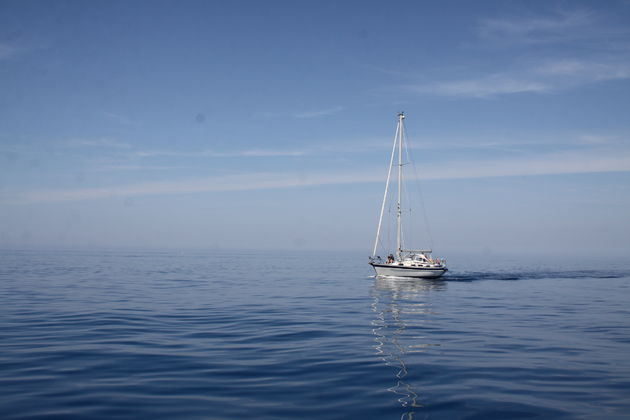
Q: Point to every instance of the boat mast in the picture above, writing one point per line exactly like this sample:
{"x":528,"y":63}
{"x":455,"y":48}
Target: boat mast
{"x":389,"y":174}
{"x":401,"y":117}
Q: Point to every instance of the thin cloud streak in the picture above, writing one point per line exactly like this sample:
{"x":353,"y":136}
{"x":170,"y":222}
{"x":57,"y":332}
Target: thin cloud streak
{"x":560,"y":27}
{"x":543,"y":77}
{"x":98,"y":142}
{"x":121,"y":119}
{"x":552,"y":164}
{"x":602,"y":44}
{"x":254,"y":181}
{"x":212,"y":153}
{"x":304,"y":114}
{"x":126,"y":168}
{"x":584,"y":71}
{"x":263,"y":153}
{"x":484,"y":87}
{"x":320,"y":113}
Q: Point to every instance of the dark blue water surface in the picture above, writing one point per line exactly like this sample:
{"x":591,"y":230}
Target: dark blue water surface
{"x":226,"y":335}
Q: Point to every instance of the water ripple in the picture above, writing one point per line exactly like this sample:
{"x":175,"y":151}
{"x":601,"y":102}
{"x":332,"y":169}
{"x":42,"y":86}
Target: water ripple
{"x":165,"y":335}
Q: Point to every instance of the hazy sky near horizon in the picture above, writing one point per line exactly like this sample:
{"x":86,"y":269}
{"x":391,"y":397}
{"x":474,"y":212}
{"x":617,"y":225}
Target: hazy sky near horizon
{"x":250,"y":124}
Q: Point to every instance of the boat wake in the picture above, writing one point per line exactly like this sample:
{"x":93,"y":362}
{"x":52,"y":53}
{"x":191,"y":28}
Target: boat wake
{"x":535,"y":275}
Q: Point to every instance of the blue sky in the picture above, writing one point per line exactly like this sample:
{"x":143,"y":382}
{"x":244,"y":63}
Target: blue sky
{"x":268,"y":125}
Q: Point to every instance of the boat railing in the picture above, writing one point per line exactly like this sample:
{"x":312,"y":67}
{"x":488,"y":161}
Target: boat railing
{"x":439,"y":261}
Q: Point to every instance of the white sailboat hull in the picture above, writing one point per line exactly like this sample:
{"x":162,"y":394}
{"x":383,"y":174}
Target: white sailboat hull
{"x":388,"y":270}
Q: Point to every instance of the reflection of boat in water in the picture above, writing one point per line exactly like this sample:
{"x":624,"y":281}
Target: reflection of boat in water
{"x":404,"y":262}
{"x":406,"y":287}
{"x":401,"y":310}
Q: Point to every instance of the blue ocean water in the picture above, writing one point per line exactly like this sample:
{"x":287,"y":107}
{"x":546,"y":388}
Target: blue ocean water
{"x":225,"y":335}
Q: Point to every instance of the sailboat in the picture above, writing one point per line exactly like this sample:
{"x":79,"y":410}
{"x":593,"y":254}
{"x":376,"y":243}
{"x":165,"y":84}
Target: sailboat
{"x":403,"y":262}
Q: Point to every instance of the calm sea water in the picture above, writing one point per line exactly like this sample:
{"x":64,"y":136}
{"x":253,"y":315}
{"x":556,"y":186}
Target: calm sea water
{"x":220,"y":335}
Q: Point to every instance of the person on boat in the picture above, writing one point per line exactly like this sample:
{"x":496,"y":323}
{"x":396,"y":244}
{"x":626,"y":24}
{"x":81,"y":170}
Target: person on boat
{"x":390,"y":258}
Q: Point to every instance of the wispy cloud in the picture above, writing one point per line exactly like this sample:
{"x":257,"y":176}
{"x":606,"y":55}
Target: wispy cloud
{"x":127,"y":150}
{"x":543,"y":76}
{"x":304,"y":114}
{"x":561,"y":26}
{"x":598,"y":139}
{"x":126,"y":168}
{"x":264,"y":153}
{"x":213,"y":153}
{"x":483,"y":87}
{"x":244,"y":182}
{"x":319,"y":113}
{"x":582,"y":71}
{"x":551,"y":164}
{"x":121,"y":119}
{"x":572,"y":162}
{"x":103,"y":142}
{"x":547,"y":53}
